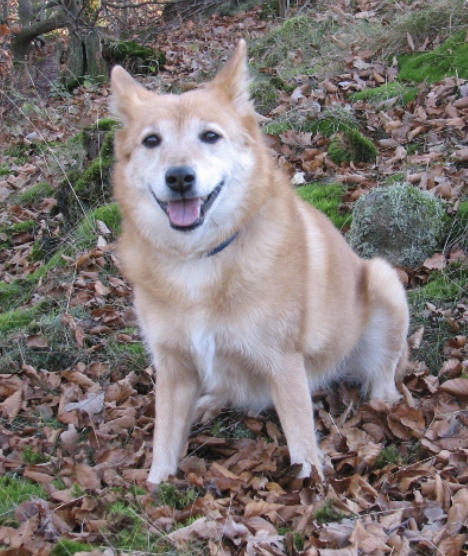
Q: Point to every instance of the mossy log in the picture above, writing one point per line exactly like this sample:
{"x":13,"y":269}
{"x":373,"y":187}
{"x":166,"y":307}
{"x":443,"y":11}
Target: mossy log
{"x":135,"y":57}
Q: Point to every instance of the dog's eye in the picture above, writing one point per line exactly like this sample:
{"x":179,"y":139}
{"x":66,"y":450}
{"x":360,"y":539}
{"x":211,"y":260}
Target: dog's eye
{"x":152,"y":141}
{"x":210,"y":137}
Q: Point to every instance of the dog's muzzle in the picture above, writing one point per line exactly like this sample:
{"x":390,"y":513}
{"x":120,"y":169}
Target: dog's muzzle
{"x":187,"y":213}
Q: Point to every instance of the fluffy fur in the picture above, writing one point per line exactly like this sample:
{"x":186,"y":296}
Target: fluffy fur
{"x":285,"y":307}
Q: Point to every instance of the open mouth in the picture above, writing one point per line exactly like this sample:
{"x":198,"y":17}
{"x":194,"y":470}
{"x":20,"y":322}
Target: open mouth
{"x":186,"y":214}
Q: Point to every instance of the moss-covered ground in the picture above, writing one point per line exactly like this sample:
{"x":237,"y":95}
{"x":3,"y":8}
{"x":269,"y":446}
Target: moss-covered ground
{"x":328,"y":199}
{"x":449,"y":59}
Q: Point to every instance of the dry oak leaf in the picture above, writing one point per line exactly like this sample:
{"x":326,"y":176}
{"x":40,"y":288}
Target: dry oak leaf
{"x":201,"y":528}
{"x":9,"y":384}
{"x":70,"y":439}
{"x":92,"y":403}
{"x":347,"y":551}
{"x":253,"y":509}
{"x":87,"y":477}
{"x":436,"y":262}
{"x":12,"y":405}
{"x":37,"y":341}
{"x":415,"y":339}
{"x":458,"y":387}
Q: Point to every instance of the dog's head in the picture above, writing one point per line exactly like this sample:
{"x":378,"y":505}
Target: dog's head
{"x":185,"y":162}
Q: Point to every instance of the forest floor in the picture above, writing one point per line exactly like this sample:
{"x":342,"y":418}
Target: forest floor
{"x":76,"y":385}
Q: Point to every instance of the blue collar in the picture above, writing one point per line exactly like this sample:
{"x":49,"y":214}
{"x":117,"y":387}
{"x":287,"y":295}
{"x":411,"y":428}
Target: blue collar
{"x":221,"y":246}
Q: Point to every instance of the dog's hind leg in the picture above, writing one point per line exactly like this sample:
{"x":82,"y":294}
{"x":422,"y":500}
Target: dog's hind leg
{"x":176,"y":392}
{"x":380,"y":356}
{"x":292,"y":400}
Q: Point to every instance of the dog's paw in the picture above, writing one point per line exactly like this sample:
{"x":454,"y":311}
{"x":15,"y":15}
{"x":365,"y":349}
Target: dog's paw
{"x":315,"y":470}
{"x":157,"y":475}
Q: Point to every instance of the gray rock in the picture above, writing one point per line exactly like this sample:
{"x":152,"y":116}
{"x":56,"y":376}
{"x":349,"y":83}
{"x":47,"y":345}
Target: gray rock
{"x":399,"y":223}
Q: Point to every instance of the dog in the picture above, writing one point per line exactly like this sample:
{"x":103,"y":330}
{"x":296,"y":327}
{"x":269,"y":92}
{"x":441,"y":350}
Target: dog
{"x":246,"y":295}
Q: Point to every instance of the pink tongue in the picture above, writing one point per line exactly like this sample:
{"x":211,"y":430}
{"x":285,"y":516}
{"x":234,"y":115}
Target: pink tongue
{"x":185,"y":212}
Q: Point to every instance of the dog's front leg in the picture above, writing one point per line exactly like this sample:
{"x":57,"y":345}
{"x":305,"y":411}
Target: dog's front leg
{"x":293,"y":403}
{"x":176,"y":393}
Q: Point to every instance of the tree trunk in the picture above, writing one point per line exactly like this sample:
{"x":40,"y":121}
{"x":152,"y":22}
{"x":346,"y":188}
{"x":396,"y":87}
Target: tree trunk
{"x":22,"y":40}
{"x":5,"y":11}
{"x":85,"y":55}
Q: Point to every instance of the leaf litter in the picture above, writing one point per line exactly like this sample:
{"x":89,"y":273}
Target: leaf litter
{"x":396,"y":476}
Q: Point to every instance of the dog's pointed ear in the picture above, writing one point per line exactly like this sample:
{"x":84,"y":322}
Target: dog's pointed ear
{"x":234,"y":79}
{"x":127,"y":94}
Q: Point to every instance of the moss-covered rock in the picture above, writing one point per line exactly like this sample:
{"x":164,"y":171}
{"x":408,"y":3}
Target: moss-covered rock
{"x":333,"y":120}
{"x":328,"y":199}
{"x":265,"y":96}
{"x":450,"y":59}
{"x":352,"y":146}
{"x":400,"y":223}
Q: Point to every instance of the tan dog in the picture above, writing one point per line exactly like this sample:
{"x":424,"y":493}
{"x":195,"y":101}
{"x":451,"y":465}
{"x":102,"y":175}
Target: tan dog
{"x":246,"y":295}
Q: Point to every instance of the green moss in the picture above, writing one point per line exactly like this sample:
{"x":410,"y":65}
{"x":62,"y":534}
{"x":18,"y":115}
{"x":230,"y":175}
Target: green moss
{"x":19,"y":319}
{"x":327,"y":198}
{"x":36,"y":193}
{"x":88,"y":185}
{"x":450,"y":59}
{"x":17,"y":228}
{"x":136,"y":57}
{"x":389,"y":454}
{"x":298,"y":537}
{"x":66,"y":547}
{"x":281,"y":84}
{"x":13,"y":491}
{"x":59,"y":484}
{"x":130,"y":530}
{"x":30,"y":456}
{"x":394,"y":90}
{"x":328,"y":514}
{"x":87,"y":232}
{"x":169,"y":495}
{"x":400,"y":223}
{"x":264,"y":95}
{"x":333,"y":120}
{"x":352,"y":146}
{"x":277,"y":127}
{"x":106,"y":124}
{"x":11,"y":295}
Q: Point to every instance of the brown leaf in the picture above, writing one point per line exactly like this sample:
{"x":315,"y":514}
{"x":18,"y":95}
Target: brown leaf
{"x":93,"y":403}
{"x":415,"y":339}
{"x":36,"y":341}
{"x":70,"y":439}
{"x":458,"y":387}
{"x":87,"y":477}
{"x":12,"y":405}
{"x":436,"y":262}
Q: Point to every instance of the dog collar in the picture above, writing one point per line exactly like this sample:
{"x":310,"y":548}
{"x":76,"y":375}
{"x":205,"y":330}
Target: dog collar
{"x":221,"y":246}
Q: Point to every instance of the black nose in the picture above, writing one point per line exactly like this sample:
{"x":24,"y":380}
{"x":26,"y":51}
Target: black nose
{"x":180,"y":178}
